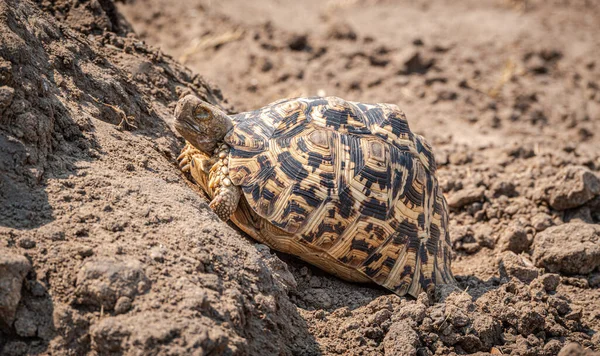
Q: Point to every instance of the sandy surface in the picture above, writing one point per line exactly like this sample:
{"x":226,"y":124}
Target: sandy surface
{"x":106,"y":248}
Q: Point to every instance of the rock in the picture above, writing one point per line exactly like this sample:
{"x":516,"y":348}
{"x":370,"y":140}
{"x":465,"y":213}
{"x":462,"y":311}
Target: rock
{"x":13,"y":269}
{"x":572,"y":248}
{"x":573,"y":187}
{"x":514,"y":239}
{"x":465,"y":197}
{"x":103,"y":281}
{"x":401,"y":339}
{"x":513,"y":265}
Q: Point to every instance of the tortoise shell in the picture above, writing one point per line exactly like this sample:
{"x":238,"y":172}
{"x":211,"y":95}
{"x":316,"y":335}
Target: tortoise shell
{"x":346,"y":186}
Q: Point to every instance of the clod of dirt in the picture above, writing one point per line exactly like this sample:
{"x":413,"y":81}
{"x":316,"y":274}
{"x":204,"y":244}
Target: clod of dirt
{"x":298,"y":43}
{"x":401,"y":339}
{"x":572,"y":187}
{"x":574,"y":349}
{"x":104,"y":282}
{"x":503,"y":188}
{"x":466,"y":196}
{"x":541,"y":62}
{"x":341,"y":31}
{"x":281,"y":273}
{"x":541,"y":221}
{"x":414,"y":62}
{"x":571,"y":248}
{"x":117,"y":334}
{"x":518,"y":266}
{"x":549,"y":281}
{"x":514,"y":239}
{"x":13,"y":269}
{"x":6,"y":97}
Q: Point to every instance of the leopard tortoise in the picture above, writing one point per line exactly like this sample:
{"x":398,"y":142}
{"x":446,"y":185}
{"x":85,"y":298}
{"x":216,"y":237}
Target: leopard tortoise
{"x":342,"y":185}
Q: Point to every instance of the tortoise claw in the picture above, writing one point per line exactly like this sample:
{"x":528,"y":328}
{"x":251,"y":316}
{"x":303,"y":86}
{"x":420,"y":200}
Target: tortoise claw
{"x":185,"y":168}
{"x":182,"y":155}
{"x":183,"y":161}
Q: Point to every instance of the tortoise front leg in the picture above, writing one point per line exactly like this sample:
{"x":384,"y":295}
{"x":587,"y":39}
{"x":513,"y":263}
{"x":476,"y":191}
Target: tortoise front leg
{"x":225,"y":195}
{"x":226,"y":200}
{"x":189,"y":154}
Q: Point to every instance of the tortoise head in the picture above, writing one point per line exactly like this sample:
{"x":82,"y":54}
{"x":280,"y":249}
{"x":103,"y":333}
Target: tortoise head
{"x":201,"y":124}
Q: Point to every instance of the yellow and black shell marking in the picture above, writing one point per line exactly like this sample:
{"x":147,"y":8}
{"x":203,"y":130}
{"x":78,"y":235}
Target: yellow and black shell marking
{"x":350,"y":180}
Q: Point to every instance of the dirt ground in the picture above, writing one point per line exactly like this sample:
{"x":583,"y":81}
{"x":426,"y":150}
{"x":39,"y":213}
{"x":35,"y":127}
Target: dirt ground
{"x":106,"y":248}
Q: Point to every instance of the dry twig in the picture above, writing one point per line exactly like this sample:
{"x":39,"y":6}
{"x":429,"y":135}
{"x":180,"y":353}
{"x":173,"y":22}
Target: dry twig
{"x":125,"y":119}
{"x":210,"y":41}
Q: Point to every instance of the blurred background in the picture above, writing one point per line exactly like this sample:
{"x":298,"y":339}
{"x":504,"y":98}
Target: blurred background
{"x":480,"y":71}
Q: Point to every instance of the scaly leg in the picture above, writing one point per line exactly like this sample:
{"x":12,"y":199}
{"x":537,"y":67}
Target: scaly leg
{"x":225,"y":195}
{"x":185,"y":159}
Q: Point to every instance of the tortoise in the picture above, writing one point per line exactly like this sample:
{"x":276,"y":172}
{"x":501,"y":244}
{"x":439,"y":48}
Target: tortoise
{"x":342,"y":185}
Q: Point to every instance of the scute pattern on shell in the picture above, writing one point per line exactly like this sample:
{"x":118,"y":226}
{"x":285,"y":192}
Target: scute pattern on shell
{"x":350,"y":179}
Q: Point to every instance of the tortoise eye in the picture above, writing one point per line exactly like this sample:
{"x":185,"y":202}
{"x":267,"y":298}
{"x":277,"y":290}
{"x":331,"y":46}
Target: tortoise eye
{"x":201,"y":113}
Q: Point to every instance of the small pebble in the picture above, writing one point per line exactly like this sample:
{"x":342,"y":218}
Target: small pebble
{"x":226,"y":182}
{"x":320,"y":314}
{"x":26,"y":243}
{"x":222,"y":154}
{"x":123,"y":305}
{"x":225,"y":170}
{"x":85,"y":251}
